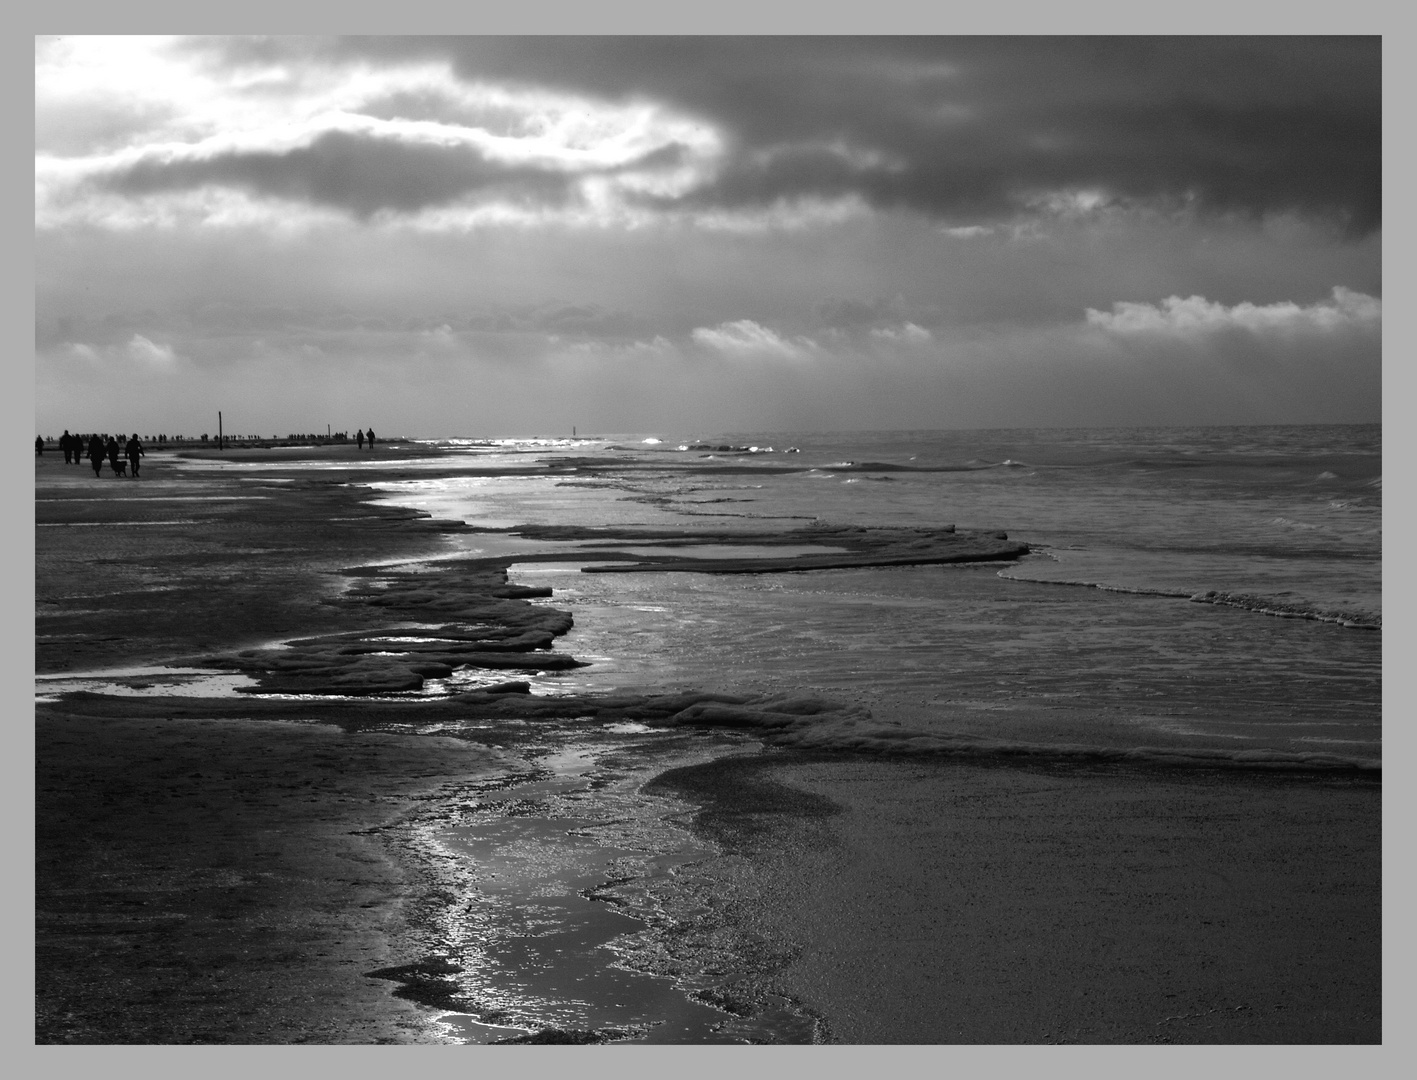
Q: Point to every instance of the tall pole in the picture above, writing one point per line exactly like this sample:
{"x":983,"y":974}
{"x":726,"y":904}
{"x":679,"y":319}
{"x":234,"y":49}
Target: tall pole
{"x":220,"y":442}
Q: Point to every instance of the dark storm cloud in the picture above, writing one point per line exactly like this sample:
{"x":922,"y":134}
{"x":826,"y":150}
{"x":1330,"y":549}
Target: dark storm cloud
{"x":958,"y":127}
{"x":356,"y":172}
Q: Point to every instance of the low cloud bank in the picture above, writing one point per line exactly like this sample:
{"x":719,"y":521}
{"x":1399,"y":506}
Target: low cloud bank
{"x":1196,"y":316}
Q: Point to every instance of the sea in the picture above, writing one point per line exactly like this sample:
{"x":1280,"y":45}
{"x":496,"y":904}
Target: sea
{"x":1206,"y":591}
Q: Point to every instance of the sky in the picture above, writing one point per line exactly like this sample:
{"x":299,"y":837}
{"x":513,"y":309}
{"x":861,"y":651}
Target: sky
{"x":687,"y":236}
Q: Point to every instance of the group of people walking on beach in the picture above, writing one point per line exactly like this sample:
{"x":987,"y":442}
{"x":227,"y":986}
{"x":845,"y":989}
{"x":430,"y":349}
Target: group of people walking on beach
{"x":121,"y":457}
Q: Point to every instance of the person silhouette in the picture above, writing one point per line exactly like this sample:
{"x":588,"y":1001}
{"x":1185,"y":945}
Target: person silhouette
{"x":359,"y":437}
{"x":113,"y":451}
{"x":38,"y":445}
{"x":370,"y":437}
{"x":134,"y":451}
{"x":96,"y":453}
{"x":66,"y":443}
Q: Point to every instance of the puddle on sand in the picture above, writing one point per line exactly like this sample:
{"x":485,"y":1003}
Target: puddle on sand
{"x":142,"y":682}
{"x":546,"y":944}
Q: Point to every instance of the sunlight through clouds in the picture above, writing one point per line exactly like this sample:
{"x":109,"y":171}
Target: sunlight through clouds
{"x":882,"y":230}
{"x":339,"y":136}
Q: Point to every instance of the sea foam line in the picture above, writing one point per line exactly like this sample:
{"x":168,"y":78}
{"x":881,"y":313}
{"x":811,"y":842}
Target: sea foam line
{"x":1259,"y":605}
{"x":1103,"y":586}
{"x":1264,"y":606}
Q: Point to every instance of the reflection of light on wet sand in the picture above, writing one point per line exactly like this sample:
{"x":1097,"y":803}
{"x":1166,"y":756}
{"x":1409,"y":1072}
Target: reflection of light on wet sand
{"x":142,"y":682}
{"x":474,"y":1031}
{"x":722,"y":551}
{"x":107,"y":524}
{"x":564,"y":864}
{"x":630,"y":727}
{"x":466,"y":679}
{"x":158,"y":498}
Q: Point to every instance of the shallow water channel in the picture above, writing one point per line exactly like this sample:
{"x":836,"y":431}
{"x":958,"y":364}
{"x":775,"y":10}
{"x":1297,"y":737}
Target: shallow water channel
{"x":583,"y":916}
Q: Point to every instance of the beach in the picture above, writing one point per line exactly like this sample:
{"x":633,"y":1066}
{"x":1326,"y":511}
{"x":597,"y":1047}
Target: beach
{"x":185,"y":871}
{"x":299,"y":735}
{"x":951,"y":903}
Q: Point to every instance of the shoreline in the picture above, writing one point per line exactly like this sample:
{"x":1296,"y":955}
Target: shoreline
{"x":322,"y":605}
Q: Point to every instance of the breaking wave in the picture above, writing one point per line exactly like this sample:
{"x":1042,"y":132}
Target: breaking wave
{"x":1267,"y":606}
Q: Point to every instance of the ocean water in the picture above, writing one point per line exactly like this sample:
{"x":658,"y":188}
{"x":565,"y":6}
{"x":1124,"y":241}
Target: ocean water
{"x":1199,"y":590}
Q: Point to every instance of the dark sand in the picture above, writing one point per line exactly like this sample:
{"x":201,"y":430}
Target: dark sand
{"x":228,"y":875}
{"x":213,"y":880}
{"x":218,"y":881}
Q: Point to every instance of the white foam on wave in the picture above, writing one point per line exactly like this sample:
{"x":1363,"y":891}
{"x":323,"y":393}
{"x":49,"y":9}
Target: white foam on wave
{"x":1135,"y":590}
{"x":1262,"y":605}
{"x":535,"y":442}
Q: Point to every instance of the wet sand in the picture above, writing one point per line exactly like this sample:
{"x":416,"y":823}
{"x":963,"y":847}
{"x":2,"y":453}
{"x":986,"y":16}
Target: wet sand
{"x":232,"y":871}
{"x":946,"y":902}
{"x":219,"y":881}
{"x":212,"y":877}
